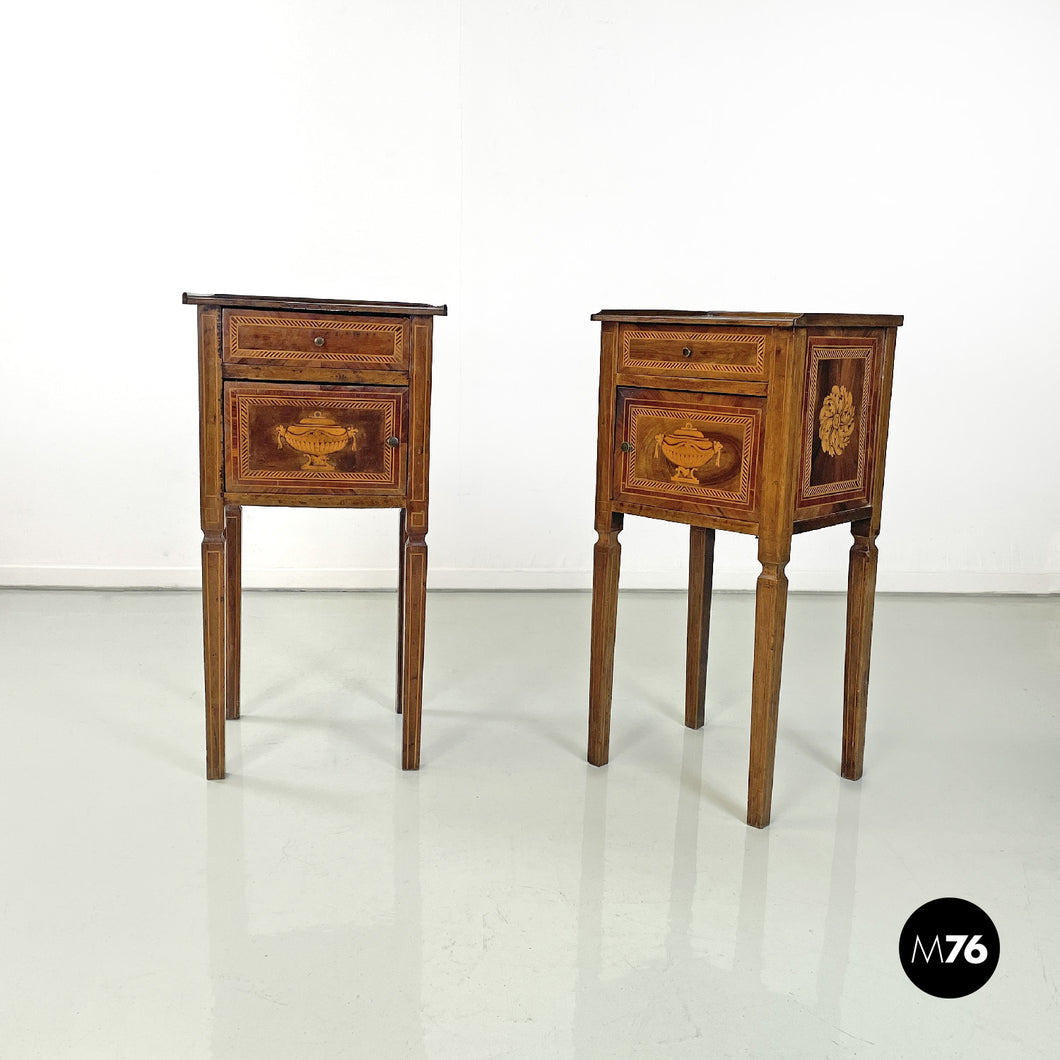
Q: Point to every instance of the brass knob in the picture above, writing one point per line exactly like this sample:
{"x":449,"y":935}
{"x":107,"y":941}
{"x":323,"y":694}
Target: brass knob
{"x":319,"y":340}
{"x":686,"y":352}
{"x":393,"y":441}
{"x":626,"y":447}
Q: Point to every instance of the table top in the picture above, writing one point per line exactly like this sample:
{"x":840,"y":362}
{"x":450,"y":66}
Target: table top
{"x":768,"y":320}
{"x":316,"y":305}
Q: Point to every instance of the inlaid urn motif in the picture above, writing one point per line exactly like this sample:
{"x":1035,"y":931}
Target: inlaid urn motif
{"x":837,"y":418}
{"x":688,"y":449}
{"x":317,"y":436}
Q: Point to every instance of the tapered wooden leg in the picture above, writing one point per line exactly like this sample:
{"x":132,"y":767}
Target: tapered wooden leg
{"x":414,"y":587}
{"x":606,"y":561}
{"x":402,"y":542}
{"x":861,"y":595}
{"x":213,"y":627}
{"x":700,"y":583}
{"x":233,"y":605}
{"x":770,"y":606}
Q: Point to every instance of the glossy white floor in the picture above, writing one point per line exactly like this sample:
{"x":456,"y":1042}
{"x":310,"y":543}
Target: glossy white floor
{"x":511,"y":900}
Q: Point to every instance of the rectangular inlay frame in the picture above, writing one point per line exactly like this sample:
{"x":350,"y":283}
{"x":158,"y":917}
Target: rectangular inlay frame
{"x":240,"y":398}
{"x":746,"y":420}
{"x":236,"y":352}
{"x":628,"y":361}
{"x":832,"y":349}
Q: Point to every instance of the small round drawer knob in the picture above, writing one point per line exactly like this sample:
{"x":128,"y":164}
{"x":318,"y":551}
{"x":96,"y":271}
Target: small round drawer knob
{"x":626,"y":447}
{"x":319,"y":340}
{"x":686,"y":352}
{"x":393,"y":441}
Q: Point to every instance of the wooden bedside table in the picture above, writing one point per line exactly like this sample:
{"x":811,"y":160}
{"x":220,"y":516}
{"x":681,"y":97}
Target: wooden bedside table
{"x":763,"y":423}
{"x":310,"y":403}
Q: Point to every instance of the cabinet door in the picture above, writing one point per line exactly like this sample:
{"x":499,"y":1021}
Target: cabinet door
{"x":689,"y":452}
{"x":309,"y":439}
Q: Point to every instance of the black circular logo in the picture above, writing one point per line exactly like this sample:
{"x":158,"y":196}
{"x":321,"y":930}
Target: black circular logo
{"x":949,"y":947}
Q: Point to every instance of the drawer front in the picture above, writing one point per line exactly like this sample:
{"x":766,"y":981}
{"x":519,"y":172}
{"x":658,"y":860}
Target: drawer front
{"x":365,"y":343}
{"x":689,"y":451}
{"x":315,"y":439}
{"x":723,"y":353}
{"x":839,"y":421}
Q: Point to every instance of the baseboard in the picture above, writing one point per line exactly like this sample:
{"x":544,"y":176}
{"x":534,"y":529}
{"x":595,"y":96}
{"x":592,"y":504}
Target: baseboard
{"x":973,"y":582}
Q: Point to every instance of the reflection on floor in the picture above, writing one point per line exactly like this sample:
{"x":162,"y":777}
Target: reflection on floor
{"x":509,"y":900}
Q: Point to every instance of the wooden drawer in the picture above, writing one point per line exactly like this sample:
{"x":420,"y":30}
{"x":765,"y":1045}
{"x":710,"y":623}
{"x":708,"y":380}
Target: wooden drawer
{"x":714,"y":352}
{"x":324,"y":341}
{"x":315,"y":439}
{"x":694,"y":452}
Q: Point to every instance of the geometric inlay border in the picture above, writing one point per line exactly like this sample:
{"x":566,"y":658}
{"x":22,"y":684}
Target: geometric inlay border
{"x":241,"y":403}
{"x":235,"y":350}
{"x":863,"y":349}
{"x":745,"y":420}
{"x":711,"y":367}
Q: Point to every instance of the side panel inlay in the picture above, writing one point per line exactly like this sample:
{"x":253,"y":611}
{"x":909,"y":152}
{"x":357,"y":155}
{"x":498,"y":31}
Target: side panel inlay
{"x":838,"y":416}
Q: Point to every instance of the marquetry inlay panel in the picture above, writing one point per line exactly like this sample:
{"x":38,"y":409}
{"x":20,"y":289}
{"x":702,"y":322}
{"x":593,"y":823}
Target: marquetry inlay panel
{"x":670,"y":445}
{"x":838,"y":418}
{"x":306,"y":438}
{"x":291,"y":338}
{"x":700,"y":352}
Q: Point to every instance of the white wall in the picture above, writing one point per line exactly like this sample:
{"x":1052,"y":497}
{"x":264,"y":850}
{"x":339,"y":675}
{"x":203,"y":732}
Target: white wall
{"x":528,"y":164}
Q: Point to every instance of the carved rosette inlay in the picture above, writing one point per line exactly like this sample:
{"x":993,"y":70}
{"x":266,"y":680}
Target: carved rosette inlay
{"x":837,"y":419}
